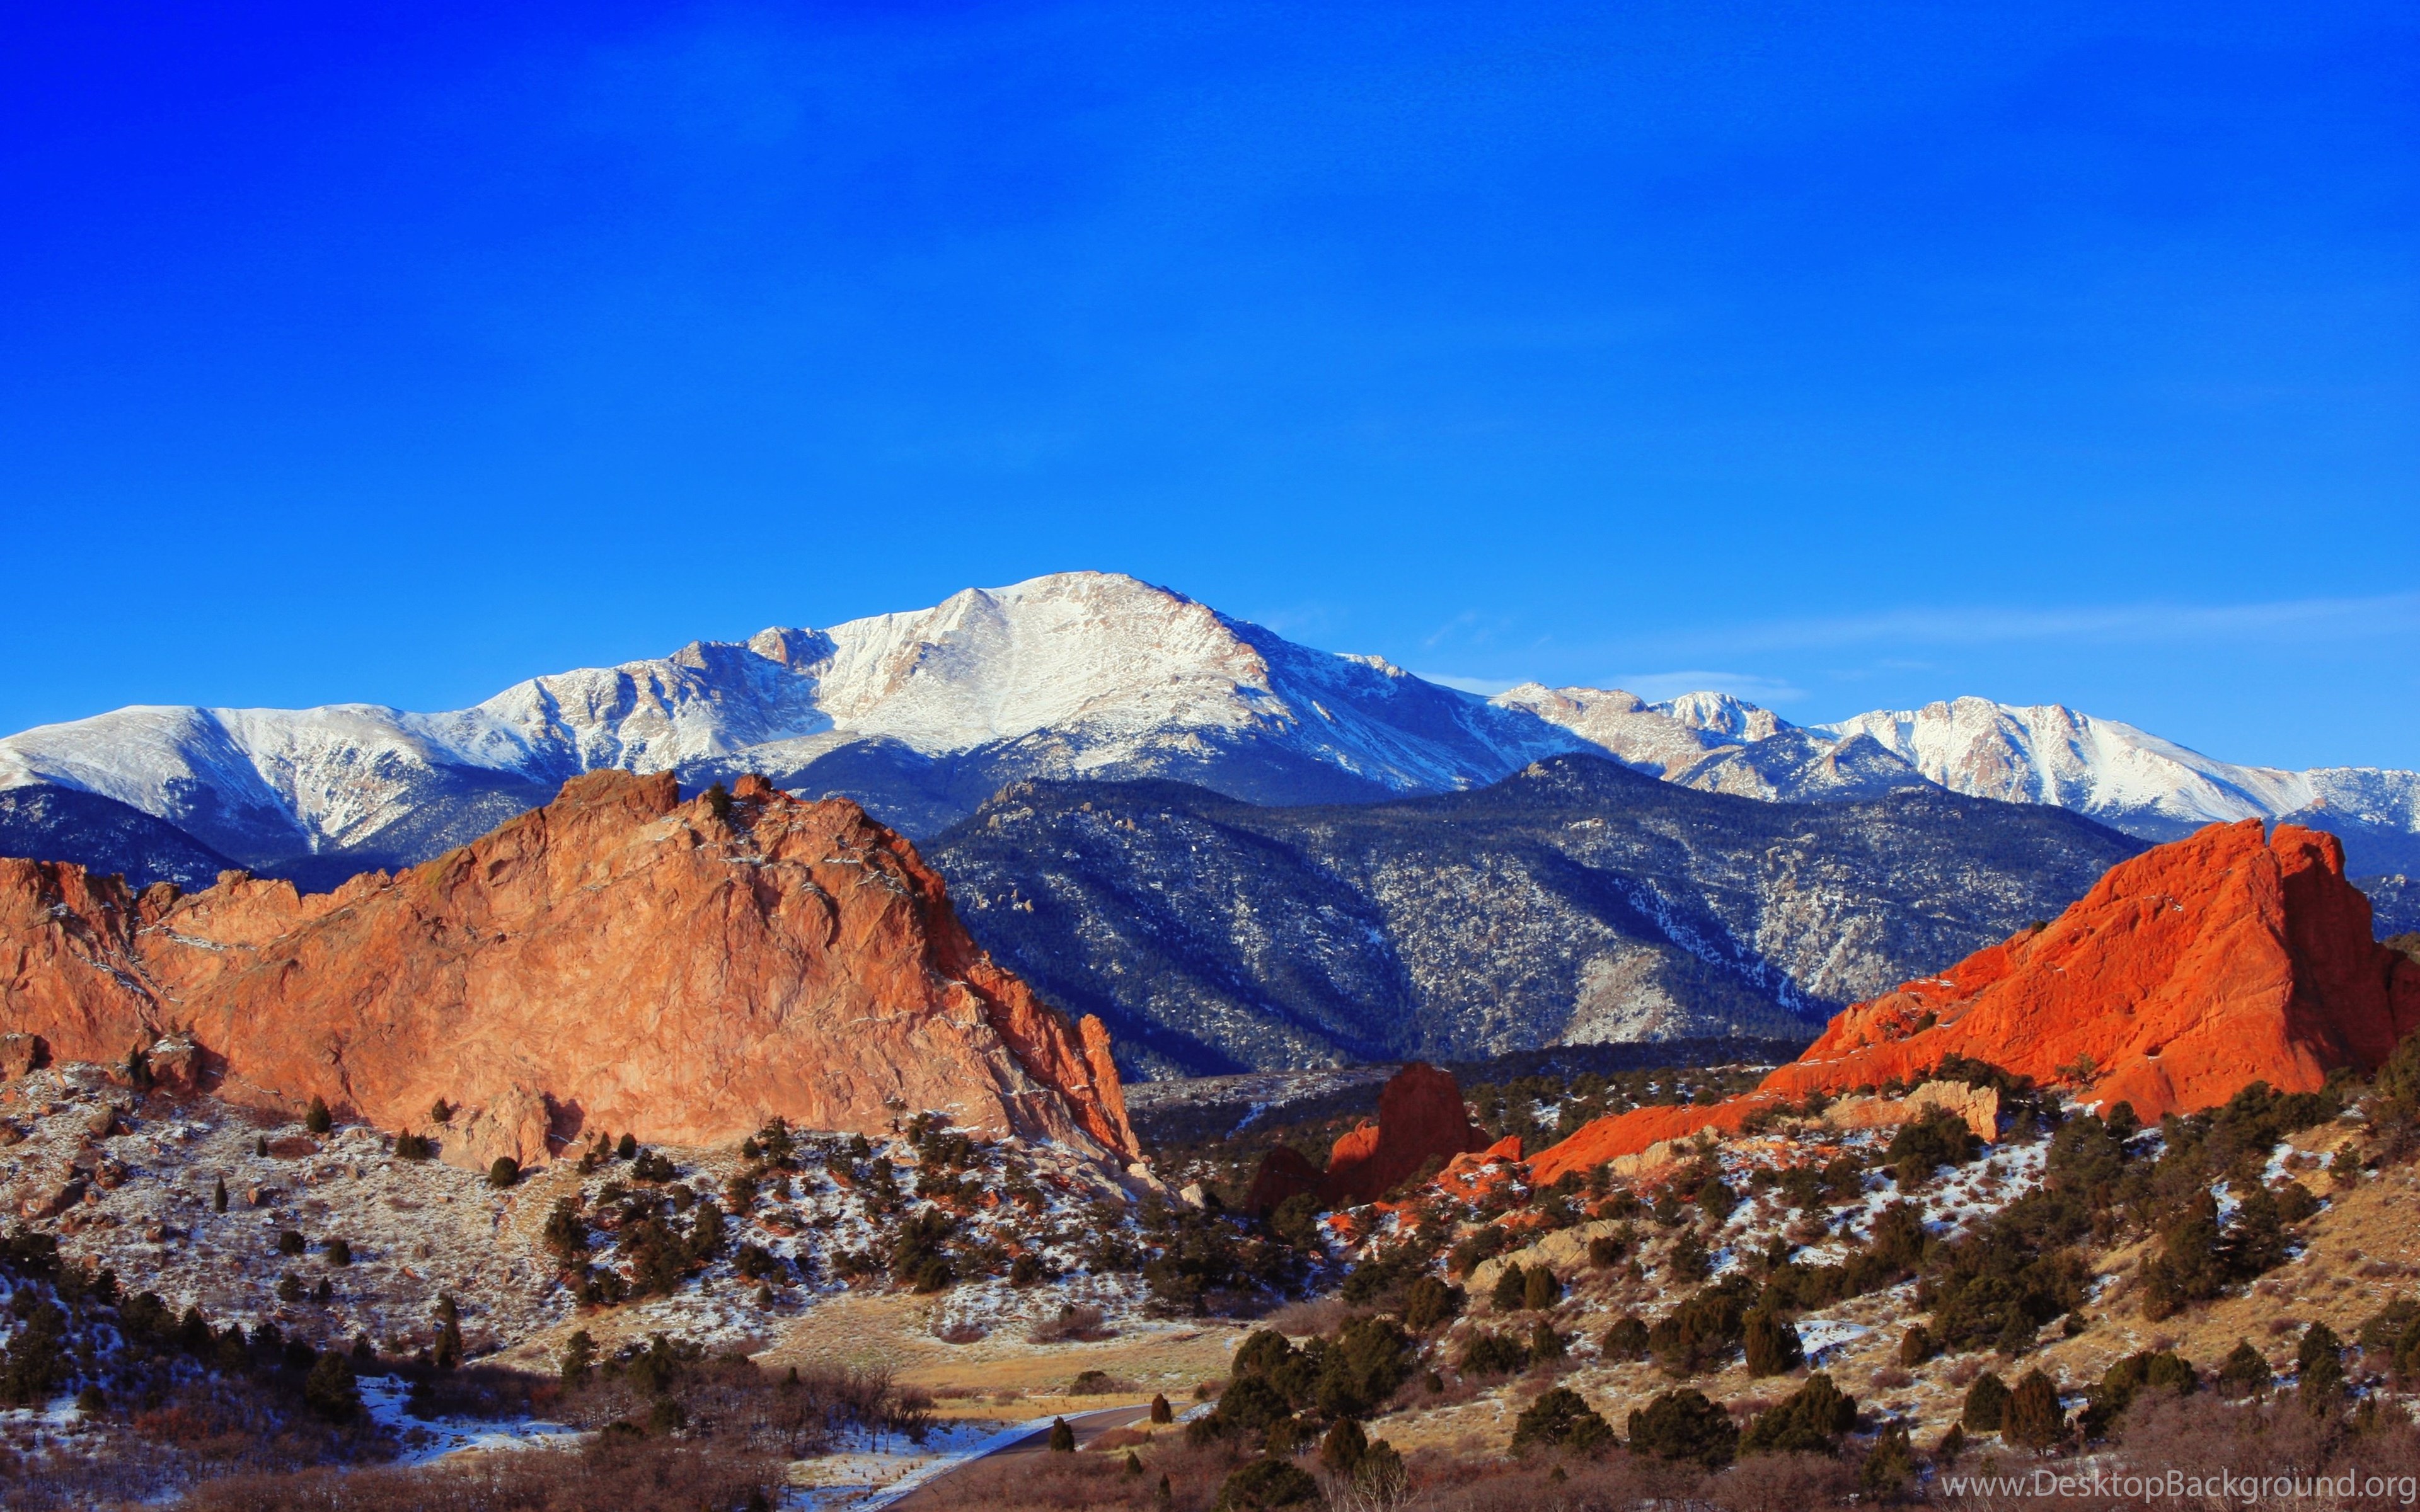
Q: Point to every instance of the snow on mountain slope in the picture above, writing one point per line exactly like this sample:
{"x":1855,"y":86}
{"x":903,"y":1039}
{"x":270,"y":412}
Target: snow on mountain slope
{"x":2134,"y":781}
{"x":1795,"y":765}
{"x":1666,"y":738}
{"x":1077,"y":674}
{"x":2126,"y":777}
{"x":922,"y":715}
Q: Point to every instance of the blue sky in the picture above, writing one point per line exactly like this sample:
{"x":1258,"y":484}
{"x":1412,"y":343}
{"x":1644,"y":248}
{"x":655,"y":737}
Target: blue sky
{"x":1840,"y":356}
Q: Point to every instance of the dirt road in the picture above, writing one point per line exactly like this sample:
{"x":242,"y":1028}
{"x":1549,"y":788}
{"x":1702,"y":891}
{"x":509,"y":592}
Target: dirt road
{"x":1088,"y":1425}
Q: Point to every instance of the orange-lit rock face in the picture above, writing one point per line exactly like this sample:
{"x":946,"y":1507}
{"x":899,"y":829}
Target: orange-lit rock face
{"x":617,"y":959}
{"x":2185,"y":974}
{"x":1420,"y":1118}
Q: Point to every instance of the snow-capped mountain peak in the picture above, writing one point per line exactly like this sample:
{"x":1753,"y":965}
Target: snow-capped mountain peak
{"x":924,"y":713}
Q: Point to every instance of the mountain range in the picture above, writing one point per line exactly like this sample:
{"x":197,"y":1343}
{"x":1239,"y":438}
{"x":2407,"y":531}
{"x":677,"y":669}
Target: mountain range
{"x":923,"y":716}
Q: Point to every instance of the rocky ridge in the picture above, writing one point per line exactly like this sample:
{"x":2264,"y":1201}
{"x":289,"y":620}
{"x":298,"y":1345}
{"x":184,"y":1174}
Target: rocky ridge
{"x":618,"y":960}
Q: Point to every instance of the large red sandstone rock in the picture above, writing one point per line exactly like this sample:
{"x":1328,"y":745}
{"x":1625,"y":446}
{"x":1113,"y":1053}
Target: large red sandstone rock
{"x":1420,"y":1117}
{"x":2185,"y":974}
{"x":617,"y":959}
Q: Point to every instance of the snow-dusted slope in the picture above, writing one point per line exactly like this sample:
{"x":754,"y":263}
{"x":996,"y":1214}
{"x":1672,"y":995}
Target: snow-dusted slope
{"x":922,"y":715}
{"x":2125,"y":777}
{"x":1664,"y":738}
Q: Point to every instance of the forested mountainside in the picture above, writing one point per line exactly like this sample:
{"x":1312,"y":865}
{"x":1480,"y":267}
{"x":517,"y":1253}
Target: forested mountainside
{"x":1578,"y":901}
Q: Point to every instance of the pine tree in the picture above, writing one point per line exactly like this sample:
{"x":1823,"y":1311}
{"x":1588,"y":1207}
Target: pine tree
{"x":1512,"y":1287}
{"x":1563,"y":1419}
{"x":316,"y":1119}
{"x":1809,"y":1421}
{"x":1545,"y":1342}
{"x":218,"y":1196}
{"x":1626,"y":1339}
{"x":1684,"y":1425}
{"x":1889,"y":1465}
{"x":1062,"y":1438}
{"x":2033,"y":1419}
{"x":1539,"y":1290}
{"x":1343,"y":1447}
{"x":1987,"y":1404}
{"x":329,"y":1389}
{"x":1770,"y":1344}
{"x":2244,"y":1372}
{"x":2320,"y":1358}
{"x":1161,"y":1412}
{"x":449,"y":1333}
{"x":579,"y":1358}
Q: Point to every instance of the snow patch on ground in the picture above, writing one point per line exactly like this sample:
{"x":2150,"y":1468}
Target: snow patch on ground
{"x":387,"y":1399}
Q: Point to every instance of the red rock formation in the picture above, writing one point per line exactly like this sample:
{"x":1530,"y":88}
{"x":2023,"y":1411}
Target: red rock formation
{"x":1285,"y":1172}
{"x":617,"y":959}
{"x":1420,"y":1118}
{"x":2185,"y":974}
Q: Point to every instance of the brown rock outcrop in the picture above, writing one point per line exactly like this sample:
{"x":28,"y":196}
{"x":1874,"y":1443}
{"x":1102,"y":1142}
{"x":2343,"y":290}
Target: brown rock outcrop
{"x":1978,"y":1107}
{"x":617,"y":960}
{"x":1420,"y":1118}
{"x":2186,"y":974}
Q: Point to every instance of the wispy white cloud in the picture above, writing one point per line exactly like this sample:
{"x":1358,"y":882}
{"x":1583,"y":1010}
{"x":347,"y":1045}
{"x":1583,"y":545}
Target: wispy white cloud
{"x":1485,"y":686}
{"x":1654,"y":687}
{"x":1297,"y":620}
{"x":1469,"y":627}
{"x":1658,"y":687}
{"x":1986,"y":625}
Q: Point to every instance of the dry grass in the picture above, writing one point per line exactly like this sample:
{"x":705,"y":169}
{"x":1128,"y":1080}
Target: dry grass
{"x":1004,"y":1374}
{"x":1074,"y":1482}
{"x":628,"y":1477}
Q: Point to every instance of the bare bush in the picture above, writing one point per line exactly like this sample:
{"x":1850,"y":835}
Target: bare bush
{"x":1073,"y":1323}
{"x":1320,"y":1315}
{"x":1783,"y":1483}
{"x":1445,"y":1482}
